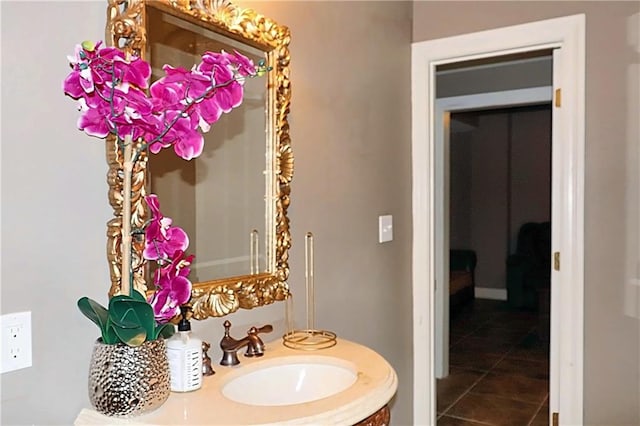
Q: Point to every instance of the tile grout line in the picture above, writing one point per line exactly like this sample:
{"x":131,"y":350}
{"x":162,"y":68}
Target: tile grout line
{"x":470,"y":333}
{"x":538,"y":410}
{"x":465,"y":336}
{"x":446,"y":410}
{"x":468,"y":420}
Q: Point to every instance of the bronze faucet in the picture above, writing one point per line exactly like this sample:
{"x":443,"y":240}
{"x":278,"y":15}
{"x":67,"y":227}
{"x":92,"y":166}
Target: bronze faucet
{"x":230,"y":346}
{"x":207,"y":370}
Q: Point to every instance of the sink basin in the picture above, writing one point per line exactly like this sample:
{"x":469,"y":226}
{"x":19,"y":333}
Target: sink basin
{"x":299,"y":380}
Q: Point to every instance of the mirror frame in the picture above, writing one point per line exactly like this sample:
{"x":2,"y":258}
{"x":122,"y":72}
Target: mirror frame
{"x":126,"y":29}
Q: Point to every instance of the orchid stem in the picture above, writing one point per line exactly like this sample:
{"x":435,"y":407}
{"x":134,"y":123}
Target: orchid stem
{"x":126,"y":279}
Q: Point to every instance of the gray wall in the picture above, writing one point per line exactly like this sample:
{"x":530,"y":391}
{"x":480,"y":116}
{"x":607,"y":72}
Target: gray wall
{"x":350,"y":129}
{"x":490,"y":183}
{"x":460,"y":188}
{"x":611,"y":330}
{"x":530,"y":188}
{"x":500,"y":178}
{"x":509,"y":75}
{"x":54,"y":208}
{"x":351,"y":133}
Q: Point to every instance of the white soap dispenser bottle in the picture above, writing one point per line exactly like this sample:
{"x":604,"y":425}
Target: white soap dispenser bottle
{"x":185,"y":357}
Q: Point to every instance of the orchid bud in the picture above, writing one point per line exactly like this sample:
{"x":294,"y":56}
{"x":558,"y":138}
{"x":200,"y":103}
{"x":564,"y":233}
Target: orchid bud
{"x":88,"y":45}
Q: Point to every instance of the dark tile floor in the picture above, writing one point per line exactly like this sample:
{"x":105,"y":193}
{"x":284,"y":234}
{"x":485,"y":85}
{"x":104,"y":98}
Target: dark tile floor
{"x":499,"y":368}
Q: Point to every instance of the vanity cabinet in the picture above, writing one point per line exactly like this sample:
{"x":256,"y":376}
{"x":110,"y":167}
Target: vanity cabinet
{"x":375,"y":386}
{"x":382,"y":417}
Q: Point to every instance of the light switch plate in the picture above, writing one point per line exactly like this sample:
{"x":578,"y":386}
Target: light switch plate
{"x":16,"y":341}
{"x":385,"y":228}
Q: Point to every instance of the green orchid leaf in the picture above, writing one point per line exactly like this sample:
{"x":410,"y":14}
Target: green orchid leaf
{"x":143,"y":315}
{"x":147,"y":318}
{"x":110,"y":337}
{"x":131,"y":337}
{"x":119,"y":298}
{"x":164,"y":330}
{"x":129,"y":329}
{"x":118,"y":308}
{"x":95,"y":312}
{"x":132,"y":318}
{"x":127,"y":320}
{"x":138,"y":296}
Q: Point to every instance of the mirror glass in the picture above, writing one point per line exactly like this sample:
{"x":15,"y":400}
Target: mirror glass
{"x":232,"y":200}
{"x":219,"y":197}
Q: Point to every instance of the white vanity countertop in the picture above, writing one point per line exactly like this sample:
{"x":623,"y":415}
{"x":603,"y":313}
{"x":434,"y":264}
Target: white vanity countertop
{"x":375,"y":386}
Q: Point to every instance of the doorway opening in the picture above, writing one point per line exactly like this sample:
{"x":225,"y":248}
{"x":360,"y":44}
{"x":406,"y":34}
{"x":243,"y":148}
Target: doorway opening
{"x":566,"y":37}
{"x":508,"y":81}
{"x":499,"y":210}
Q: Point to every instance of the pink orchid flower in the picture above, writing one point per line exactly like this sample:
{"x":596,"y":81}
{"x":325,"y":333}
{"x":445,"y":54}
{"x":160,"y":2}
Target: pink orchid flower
{"x":109,"y":87}
{"x":183,"y":136}
{"x":244,"y":65}
{"x":81,"y":79}
{"x":173,"y":288}
{"x":162,"y":240}
{"x":193,"y":84}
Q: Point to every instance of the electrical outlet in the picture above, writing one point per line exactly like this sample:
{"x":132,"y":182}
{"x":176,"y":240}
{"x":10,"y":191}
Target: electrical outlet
{"x":16,"y":341}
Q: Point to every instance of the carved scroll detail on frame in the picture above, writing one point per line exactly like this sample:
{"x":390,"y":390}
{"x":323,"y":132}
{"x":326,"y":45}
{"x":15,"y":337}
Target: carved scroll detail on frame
{"x":126,"y":28}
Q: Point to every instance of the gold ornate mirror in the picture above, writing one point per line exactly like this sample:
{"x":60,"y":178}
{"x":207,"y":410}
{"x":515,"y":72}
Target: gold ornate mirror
{"x":238,"y":194}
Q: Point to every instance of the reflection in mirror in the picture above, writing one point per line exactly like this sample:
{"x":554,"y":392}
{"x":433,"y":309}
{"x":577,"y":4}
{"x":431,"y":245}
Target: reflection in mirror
{"x":219,"y":197}
{"x":241,"y":184}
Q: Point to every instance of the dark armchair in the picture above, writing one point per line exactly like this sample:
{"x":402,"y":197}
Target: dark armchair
{"x":529,"y":268}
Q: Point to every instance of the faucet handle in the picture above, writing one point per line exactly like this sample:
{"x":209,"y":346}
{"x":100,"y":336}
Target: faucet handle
{"x":256,"y":346}
{"x":227,"y":326}
{"x":207,"y":370}
{"x":268,"y":328}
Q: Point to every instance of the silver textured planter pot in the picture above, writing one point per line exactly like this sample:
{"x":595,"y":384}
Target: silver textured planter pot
{"x":129,"y":381}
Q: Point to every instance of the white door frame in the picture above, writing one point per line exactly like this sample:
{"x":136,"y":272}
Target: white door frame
{"x":567,"y":36}
{"x":443,"y":109}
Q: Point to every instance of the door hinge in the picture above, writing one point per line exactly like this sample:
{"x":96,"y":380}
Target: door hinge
{"x":556,"y":261}
{"x":555,"y":419}
{"x":558,"y":98}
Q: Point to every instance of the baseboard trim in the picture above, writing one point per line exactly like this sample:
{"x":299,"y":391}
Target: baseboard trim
{"x":491,"y":293}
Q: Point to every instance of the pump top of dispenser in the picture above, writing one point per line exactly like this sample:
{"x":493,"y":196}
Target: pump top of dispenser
{"x":184,"y":324}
